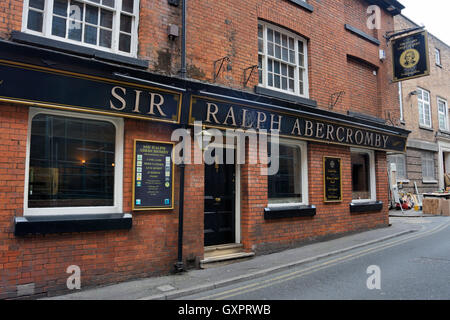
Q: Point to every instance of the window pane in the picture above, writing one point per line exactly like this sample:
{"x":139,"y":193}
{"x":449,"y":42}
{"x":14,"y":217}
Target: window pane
{"x":127,"y":5}
{"x":124,"y":43}
{"x":59,"y":27}
{"x":260,"y":31}
{"x":34,"y":21}
{"x":90,"y":35}
{"x":76,"y":10}
{"x":285,"y":186}
{"x":360,"y":176}
{"x":109,"y":3}
{"x":277,"y":82}
{"x":125,"y":23}
{"x":270,"y":35}
{"x":106,"y":18}
{"x":277,"y":37}
{"x":38,"y":4}
{"x":75,"y":30}
{"x":105,"y":38}
{"x":60,"y":7}
{"x":278,"y":52}
{"x":92,"y":15}
{"x":71,"y":162}
{"x":270,"y":49}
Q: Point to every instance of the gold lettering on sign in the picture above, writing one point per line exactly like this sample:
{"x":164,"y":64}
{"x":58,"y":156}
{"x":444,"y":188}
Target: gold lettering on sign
{"x":385,"y":140}
{"x":319,"y":130}
{"x":213,"y":114}
{"x":137,"y":101}
{"x":118,"y":97}
{"x":377,"y":140}
{"x":230,"y":114}
{"x":359,"y":137}
{"x":369,"y":138}
{"x":157,"y":105}
{"x":338,"y":136}
{"x":296,"y":127}
{"x":349,"y":136}
{"x":309,"y":129}
{"x":272,"y":122}
{"x":261,"y":119}
{"x":330,"y":130}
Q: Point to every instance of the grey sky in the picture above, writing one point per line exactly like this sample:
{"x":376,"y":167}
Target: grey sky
{"x":434,"y":14}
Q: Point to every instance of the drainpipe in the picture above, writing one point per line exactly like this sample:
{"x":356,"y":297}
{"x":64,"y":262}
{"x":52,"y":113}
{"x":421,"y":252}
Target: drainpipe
{"x":179,"y":265}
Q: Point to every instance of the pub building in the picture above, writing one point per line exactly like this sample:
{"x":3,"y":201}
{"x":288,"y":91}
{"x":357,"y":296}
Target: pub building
{"x":87,"y":113}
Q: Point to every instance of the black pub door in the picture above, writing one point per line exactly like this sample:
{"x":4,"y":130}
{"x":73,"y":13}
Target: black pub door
{"x":219,"y":204}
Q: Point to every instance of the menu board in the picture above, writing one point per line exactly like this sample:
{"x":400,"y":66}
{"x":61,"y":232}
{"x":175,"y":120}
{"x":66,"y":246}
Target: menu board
{"x":332,"y":179}
{"x":153,"y":175}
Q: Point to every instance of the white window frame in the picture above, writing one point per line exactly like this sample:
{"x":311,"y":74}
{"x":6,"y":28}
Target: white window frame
{"x":302,"y":145}
{"x":445,"y":113}
{"x":118,"y":169}
{"x":424,"y":105}
{"x":437,"y":53}
{"x":47,"y":26}
{"x":265,"y":58}
{"x":372,"y":173}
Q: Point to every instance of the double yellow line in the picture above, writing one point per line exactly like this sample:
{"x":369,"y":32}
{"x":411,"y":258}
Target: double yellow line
{"x":297,"y":274}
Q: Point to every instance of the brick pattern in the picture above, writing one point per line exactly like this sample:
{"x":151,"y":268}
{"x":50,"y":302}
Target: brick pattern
{"x":331,"y":219}
{"x":215,"y":29}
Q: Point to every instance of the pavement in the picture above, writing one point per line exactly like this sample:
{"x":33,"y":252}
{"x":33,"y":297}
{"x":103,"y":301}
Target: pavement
{"x":196,"y":281}
{"x":411,"y":213}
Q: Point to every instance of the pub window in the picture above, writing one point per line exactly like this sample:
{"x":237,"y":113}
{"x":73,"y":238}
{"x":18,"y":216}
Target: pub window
{"x":428,"y":166}
{"x":282,"y":60}
{"x":109,"y":25}
{"x":73,"y":163}
{"x":424,"y":107}
{"x":289,"y":184}
{"x":363,"y":175}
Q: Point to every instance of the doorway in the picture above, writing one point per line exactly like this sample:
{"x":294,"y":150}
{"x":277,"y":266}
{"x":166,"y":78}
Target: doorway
{"x":220,"y":204}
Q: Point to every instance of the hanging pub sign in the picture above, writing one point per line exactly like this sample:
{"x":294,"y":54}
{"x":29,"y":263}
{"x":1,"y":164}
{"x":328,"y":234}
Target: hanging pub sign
{"x":153,"y":175}
{"x":332,"y":179}
{"x":410,"y":56}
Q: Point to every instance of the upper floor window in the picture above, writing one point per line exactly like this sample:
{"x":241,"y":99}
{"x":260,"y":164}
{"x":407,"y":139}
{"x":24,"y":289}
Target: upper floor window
{"x":282,"y":60}
{"x":424,"y":108}
{"x":438,"y":56}
{"x":109,"y":25}
{"x":442,"y":114}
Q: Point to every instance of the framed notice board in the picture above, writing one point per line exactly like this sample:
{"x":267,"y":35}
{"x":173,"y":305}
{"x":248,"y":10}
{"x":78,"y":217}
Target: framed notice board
{"x":332,"y":179}
{"x":153,"y":175}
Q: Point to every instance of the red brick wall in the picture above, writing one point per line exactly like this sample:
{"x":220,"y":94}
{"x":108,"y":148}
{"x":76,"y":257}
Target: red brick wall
{"x":362,"y":88}
{"x":149,"y":248}
{"x":331,"y":219}
{"x":215,"y":29}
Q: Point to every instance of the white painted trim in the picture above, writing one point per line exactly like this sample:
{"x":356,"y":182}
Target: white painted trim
{"x":444,"y":147}
{"x":118,"y":168}
{"x":304,"y":173}
{"x":373,"y":182}
{"x":237,"y":210}
{"x":47,"y":27}
{"x":297,"y":67}
{"x":438,"y":100}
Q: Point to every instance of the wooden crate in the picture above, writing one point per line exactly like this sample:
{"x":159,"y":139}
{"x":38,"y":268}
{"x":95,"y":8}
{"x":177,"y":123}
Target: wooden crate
{"x":432,"y":206}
